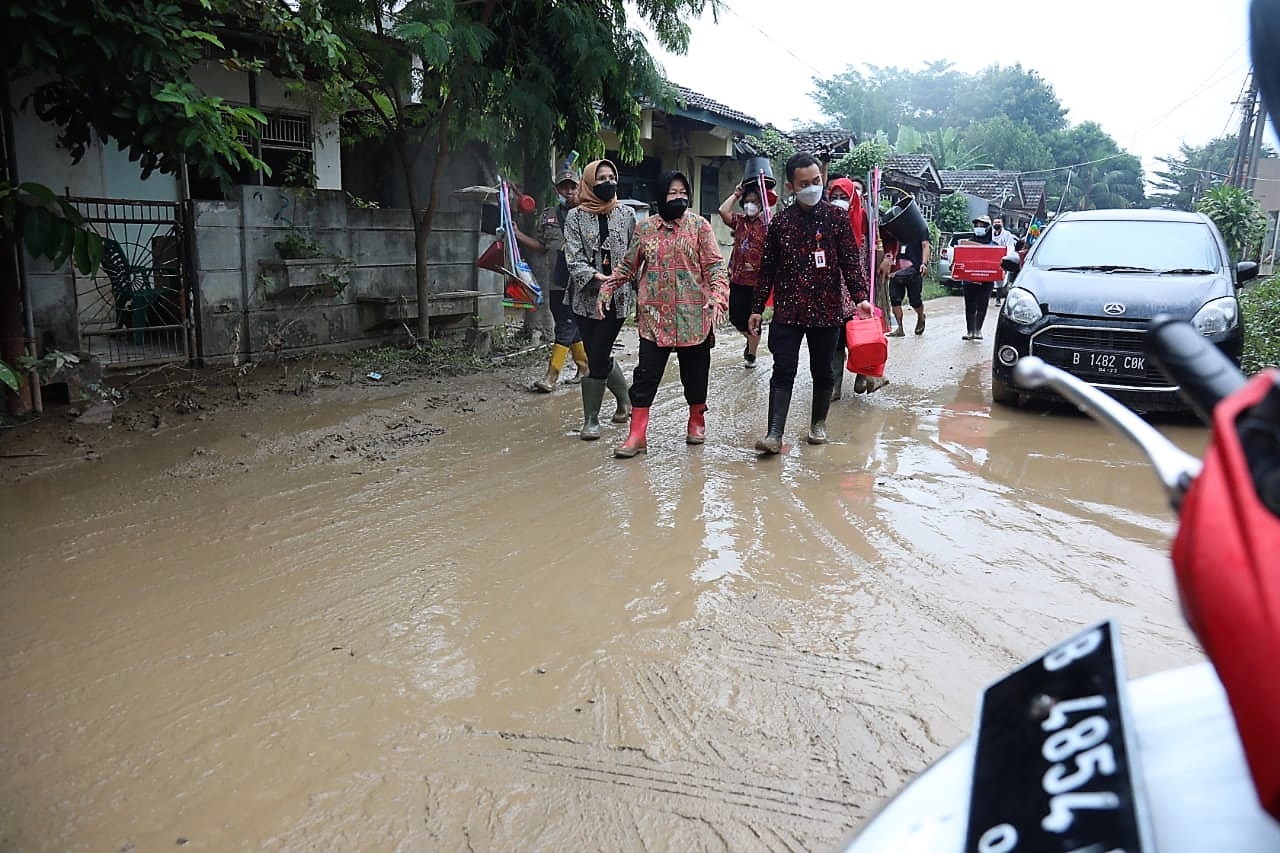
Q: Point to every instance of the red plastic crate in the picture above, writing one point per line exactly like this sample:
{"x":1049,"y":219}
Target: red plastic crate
{"x":977,"y":263}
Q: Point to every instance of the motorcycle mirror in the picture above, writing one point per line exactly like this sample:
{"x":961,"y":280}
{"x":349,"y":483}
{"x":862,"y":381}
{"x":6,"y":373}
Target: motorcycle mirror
{"x":1175,"y":468}
{"x":1264,"y":35}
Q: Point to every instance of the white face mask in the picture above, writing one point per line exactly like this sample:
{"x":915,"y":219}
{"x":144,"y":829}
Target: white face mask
{"x":751,"y":209}
{"x":979,"y":232}
{"x":809,"y":196}
{"x":842,"y":203}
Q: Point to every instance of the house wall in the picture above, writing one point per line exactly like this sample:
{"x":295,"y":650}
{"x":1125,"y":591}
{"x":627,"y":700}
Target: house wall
{"x":1267,"y":192}
{"x":212,"y":78}
{"x":245,"y":313}
{"x":704,"y":148}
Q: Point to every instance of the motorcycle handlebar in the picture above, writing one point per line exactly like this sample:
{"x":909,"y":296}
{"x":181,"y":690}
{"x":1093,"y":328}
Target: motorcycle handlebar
{"x":1205,"y":376}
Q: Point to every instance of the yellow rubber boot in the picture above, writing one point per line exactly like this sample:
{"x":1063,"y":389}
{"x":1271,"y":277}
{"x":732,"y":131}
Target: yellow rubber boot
{"x":547,"y":384}
{"x":580,"y":359}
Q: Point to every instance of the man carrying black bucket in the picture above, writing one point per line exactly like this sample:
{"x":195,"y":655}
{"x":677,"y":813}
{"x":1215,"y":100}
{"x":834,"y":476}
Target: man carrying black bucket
{"x":810,"y":260}
{"x":910,"y":241}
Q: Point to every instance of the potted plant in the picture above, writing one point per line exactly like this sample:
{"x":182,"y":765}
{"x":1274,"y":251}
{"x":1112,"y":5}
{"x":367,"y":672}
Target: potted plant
{"x":304,"y":267}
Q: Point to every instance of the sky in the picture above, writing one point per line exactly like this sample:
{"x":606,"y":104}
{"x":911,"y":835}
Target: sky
{"x":1152,"y":73}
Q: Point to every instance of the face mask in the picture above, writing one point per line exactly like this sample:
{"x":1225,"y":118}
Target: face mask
{"x":809,"y":196}
{"x":979,"y":232}
{"x":997,"y":229}
{"x":564,"y":199}
{"x":606,"y":191}
{"x":842,"y":203}
{"x":751,"y":209}
{"x":673,"y":209}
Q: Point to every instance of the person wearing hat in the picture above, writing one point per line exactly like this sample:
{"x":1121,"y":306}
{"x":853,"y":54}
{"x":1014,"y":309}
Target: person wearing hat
{"x":597,"y":234}
{"x":682,"y":294}
{"x":744,"y":262}
{"x":549,"y":244}
{"x":977,"y":294}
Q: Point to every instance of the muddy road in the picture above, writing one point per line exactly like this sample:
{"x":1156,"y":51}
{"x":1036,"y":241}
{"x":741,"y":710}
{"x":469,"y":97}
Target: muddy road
{"x":429,"y":618}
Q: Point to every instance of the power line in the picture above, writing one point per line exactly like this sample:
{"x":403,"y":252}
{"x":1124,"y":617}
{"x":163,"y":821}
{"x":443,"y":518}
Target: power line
{"x":1204,"y":86}
{"x":785,"y":49}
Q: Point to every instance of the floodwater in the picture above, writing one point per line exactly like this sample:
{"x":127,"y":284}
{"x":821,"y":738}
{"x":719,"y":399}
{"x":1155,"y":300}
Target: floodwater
{"x":398,"y":627}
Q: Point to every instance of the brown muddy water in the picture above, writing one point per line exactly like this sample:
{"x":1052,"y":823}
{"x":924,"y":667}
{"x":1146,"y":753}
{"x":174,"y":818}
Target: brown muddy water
{"x":393,"y":625}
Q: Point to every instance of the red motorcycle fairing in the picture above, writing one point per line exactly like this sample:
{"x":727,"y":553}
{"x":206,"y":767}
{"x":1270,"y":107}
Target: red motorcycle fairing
{"x":1227,"y":561}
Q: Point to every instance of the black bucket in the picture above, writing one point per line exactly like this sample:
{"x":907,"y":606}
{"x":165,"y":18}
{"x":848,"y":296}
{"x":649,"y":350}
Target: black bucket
{"x":905,"y":221}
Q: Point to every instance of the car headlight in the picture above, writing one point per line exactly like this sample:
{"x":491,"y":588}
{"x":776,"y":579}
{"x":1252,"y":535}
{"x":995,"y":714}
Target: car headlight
{"x":1217,"y":316}
{"x":1021,"y":307}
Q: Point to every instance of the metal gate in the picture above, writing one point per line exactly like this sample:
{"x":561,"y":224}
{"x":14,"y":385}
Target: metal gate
{"x":136,"y":309}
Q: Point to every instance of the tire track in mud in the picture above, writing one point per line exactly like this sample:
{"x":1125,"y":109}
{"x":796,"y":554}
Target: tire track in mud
{"x":703,"y":795}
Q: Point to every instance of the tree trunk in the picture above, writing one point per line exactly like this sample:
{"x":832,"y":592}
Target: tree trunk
{"x":424,"y":221}
{"x":12,"y":339}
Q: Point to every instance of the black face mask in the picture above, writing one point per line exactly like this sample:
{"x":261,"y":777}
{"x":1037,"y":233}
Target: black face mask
{"x":606,"y":191}
{"x":673,"y":209}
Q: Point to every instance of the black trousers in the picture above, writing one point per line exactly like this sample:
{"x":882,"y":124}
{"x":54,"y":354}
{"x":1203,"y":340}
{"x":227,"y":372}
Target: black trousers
{"x":909,"y":287}
{"x":976,"y":298}
{"x":740,"y":298}
{"x":695,"y":370}
{"x":567,"y":333}
{"x":784,"y":346}
{"x":598,"y":337}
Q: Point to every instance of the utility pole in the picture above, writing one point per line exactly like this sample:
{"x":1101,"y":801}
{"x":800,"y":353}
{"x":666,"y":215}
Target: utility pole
{"x":1236,"y":176}
{"x":1255,"y":147}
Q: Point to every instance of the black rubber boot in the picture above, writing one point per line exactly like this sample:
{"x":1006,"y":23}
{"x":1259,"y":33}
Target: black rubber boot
{"x":617,"y":384}
{"x":592,"y":396}
{"x":779,"y":405}
{"x":818,"y":420}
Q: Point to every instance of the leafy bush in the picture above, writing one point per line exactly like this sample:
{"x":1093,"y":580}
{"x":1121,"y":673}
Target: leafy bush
{"x":953,"y":212}
{"x":1238,"y":217}
{"x":865,"y":155}
{"x":1260,"y":303}
{"x":297,"y":245}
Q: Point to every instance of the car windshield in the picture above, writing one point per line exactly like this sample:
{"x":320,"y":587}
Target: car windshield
{"x":1118,"y":245}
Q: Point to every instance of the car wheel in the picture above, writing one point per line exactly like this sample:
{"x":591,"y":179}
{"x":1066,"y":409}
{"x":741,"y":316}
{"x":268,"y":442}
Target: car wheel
{"x":1002,"y":393}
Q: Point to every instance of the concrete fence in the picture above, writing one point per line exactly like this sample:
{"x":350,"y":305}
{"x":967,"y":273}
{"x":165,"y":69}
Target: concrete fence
{"x":362,"y":290}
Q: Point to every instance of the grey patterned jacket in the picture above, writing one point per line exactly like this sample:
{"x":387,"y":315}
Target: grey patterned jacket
{"x":582,"y":252}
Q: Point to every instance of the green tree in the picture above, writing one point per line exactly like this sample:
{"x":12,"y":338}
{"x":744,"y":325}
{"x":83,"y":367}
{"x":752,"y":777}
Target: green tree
{"x":944,"y":145}
{"x":863,"y":103}
{"x":937,"y":97}
{"x":864,"y":156}
{"x":1006,"y":144}
{"x":953,"y":213}
{"x":1101,"y":174}
{"x":1193,"y":170}
{"x":546,"y":73}
{"x":1238,"y":217}
{"x":1021,"y":95}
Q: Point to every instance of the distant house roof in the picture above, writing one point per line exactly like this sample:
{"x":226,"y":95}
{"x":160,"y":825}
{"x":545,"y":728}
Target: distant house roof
{"x":919,"y":166}
{"x":1033,"y":195}
{"x":699,"y":107}
{"x":997,"y":186}
{"x":824,"y":143}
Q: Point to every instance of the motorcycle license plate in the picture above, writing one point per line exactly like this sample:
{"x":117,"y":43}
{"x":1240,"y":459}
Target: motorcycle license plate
{"x":1053,"y":769}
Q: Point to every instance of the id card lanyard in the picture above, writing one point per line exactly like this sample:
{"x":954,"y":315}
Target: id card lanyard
{"x":819,"y":253}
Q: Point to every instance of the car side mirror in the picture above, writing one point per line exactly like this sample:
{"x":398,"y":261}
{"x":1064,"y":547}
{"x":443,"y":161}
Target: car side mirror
{"x":1010,"y":263}
{"x":1246,"y":271}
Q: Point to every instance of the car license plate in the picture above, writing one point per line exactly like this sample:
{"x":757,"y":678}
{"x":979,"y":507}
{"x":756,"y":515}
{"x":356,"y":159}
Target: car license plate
{"x":1105,"y":363}
{"x":1053,"y":769}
